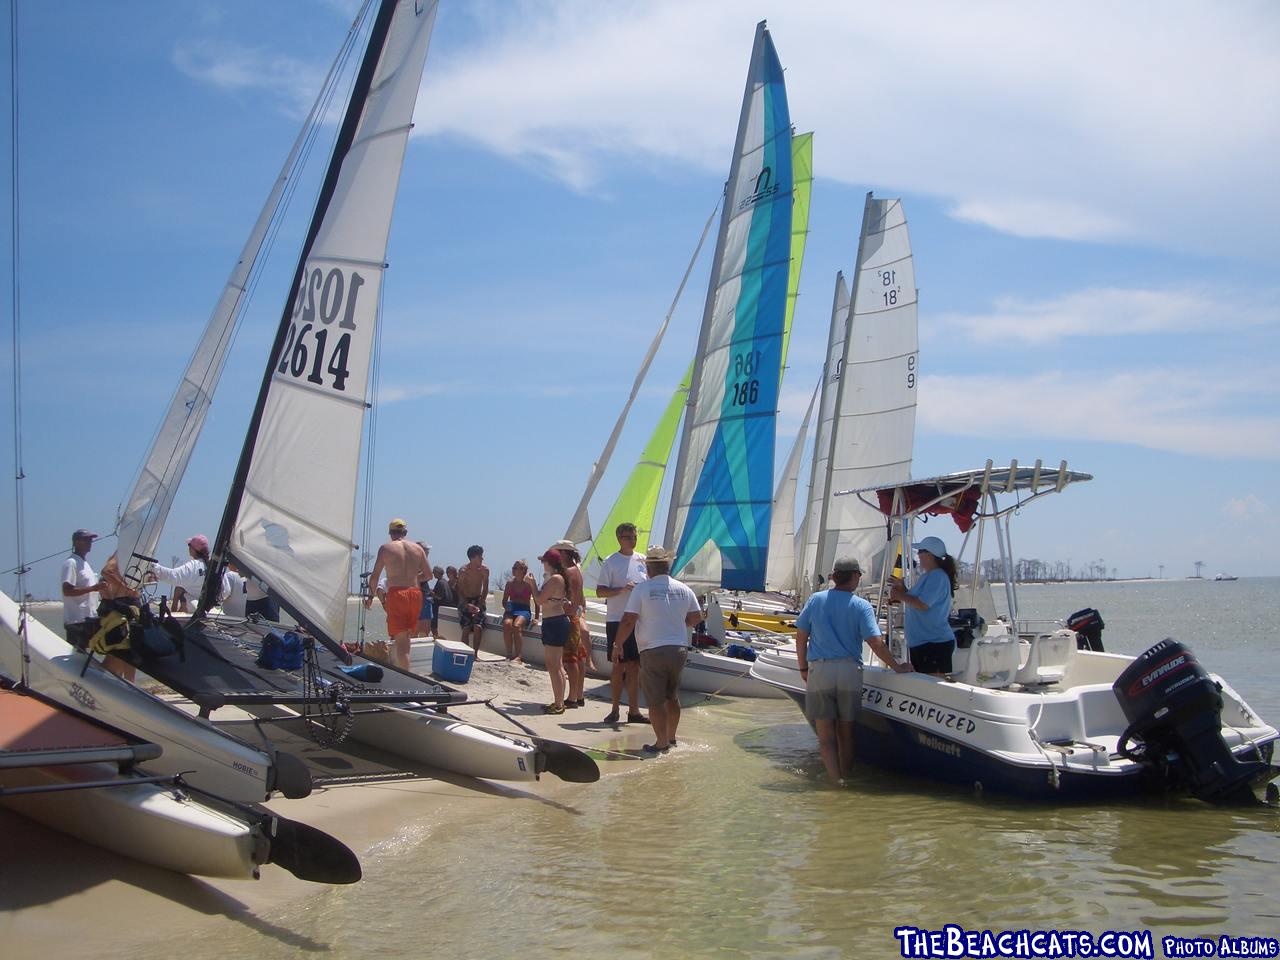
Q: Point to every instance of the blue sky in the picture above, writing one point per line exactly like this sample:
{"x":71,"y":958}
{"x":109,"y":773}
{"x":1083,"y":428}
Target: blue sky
{"x":1090,"y":191}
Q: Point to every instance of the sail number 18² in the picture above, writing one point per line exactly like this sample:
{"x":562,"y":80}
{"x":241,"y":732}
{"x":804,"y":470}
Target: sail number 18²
{"x":309,"y":348}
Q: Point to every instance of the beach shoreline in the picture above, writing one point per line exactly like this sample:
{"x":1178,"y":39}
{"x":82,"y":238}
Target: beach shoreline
{"x":56,"y":892}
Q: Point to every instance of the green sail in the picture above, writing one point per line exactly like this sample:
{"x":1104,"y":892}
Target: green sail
{"x":802,"y":177}
{"x":638,"y":501}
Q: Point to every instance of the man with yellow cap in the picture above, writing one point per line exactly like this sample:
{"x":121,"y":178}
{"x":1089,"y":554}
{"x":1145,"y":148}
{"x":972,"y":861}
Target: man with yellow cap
{"x":405,"y":566}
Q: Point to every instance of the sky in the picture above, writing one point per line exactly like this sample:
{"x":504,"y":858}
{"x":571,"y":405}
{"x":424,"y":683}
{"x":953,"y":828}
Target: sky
{"x":1090,"y":191}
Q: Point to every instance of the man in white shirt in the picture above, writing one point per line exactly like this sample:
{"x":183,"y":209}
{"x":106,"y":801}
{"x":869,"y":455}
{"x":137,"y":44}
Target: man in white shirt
{"x":660,"y":611}
{"x":80,"y":587}
{"x":619,"y":575}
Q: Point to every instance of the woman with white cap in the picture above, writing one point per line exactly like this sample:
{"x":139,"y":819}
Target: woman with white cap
{"x":926,"y":607}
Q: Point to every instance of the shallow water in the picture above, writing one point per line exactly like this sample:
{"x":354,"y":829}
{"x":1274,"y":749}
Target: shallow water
{"x":733,"y":846}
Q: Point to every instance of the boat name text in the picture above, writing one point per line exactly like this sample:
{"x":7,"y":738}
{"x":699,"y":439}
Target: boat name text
{"x":943,"y":719}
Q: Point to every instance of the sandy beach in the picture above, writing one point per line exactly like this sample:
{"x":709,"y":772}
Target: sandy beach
{"x":56,"y":892}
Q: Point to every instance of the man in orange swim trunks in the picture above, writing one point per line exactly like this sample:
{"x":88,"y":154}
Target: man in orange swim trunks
{"x":405,"y":565}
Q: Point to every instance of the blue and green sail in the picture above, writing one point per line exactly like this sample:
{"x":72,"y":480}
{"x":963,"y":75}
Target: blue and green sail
{"x":723,"y":489}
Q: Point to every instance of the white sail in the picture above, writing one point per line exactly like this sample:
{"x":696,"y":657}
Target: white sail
{"x":832,"y":367}
{"x":145,"y":509}
{"x":874,"y":429}
{"x":780,"y":575}
{"x":296,"y":516}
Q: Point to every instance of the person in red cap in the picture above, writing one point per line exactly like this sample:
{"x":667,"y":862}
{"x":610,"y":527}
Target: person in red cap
{"x":188,"y":578}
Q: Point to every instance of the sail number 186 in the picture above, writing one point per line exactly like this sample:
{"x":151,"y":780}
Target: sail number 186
{"x":746,"y":388}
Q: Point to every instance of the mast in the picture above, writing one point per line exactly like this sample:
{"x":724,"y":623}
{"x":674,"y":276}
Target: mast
{"x":346,"y":135}
{"x":822,"y":541}
{"x":757,"y":53}
{"x":579,"y":529}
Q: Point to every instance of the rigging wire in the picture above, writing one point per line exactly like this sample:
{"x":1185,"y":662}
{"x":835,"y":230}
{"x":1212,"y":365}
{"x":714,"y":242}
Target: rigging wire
{"x":15,"y":261}
{"x":311,"y":129}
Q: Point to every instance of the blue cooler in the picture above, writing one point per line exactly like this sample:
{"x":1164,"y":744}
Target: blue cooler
{"x":452,"y":660}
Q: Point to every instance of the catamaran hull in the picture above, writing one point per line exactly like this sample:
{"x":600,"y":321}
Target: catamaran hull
{"x":154,"y":824}
{"x":207,"y":758}
{"x":704,"y":672}
{"x":987,"y":738}
{"x":441,"y":741}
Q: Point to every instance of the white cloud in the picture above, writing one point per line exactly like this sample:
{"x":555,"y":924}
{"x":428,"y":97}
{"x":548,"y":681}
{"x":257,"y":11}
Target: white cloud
{"x":1073,"y":122}
{"x":1248,"y":507}
{"x":1200,"y":417}
{"x":240,"y":69}
{"x":398,"y":394}
{"x":1107,"y":312}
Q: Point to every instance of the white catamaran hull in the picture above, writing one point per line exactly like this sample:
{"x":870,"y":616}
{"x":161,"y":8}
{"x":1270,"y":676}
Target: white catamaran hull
{"x":1057,"y":741}
{"x":705,"y":672}
{"x":207,"y":758}
{"x":154,"y":824}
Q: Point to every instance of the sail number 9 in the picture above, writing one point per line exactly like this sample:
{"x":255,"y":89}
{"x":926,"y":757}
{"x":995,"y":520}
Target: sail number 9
{"x":323,"y":296}
{"x":911,"y":372}
{"x":747,"y":389}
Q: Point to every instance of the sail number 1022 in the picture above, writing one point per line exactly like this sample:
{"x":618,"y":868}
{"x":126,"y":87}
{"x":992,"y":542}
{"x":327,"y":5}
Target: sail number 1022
{"x":324,"y":296}
{"x":746,"y":387}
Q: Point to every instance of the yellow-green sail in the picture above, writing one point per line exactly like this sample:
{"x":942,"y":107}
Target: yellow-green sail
{"x":638,"y":501}
{"x":802,"y":177}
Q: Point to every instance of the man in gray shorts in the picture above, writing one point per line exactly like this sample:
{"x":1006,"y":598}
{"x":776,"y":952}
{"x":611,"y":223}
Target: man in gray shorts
{"x":661,"y":611}
{"x":829,"y":635}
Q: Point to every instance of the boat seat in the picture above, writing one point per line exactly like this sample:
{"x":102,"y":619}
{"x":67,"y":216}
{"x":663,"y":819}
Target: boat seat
{"x":1048,"y":656}
{"x":993,"y":660}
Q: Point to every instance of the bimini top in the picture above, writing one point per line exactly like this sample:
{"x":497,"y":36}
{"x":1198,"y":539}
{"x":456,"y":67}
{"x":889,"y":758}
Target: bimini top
{"x":962,"y":494}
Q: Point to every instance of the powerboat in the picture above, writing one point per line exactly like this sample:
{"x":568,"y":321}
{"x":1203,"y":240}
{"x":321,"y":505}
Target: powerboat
{"x":1036,"y":708}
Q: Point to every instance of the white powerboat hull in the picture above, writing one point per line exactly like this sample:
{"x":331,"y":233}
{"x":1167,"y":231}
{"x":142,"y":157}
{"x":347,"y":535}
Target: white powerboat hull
{"x":1054,"y":741}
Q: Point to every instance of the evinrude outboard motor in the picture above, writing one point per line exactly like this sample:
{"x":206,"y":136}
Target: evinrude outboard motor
{"x":1088,"y":626}
{"x":1175,"y":709}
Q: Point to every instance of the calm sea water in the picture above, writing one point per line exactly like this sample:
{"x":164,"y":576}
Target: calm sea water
{"x":733,"y":846}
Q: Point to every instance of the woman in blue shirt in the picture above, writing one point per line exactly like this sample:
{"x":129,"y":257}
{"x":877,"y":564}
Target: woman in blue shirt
{"x":926,"y":607}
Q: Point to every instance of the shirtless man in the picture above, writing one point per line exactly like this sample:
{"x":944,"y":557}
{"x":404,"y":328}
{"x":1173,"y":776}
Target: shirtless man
{"x":405,"y":565}
{"x":473,"y":587}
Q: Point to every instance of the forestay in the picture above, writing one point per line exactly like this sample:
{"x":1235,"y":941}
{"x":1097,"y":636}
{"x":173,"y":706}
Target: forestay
{"x":295,"y":521}
{"x":723,"y":486}
{"x":145,"y":509}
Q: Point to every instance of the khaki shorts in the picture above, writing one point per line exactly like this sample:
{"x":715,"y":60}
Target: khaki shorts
{"x":660,"y":669}
{"x":834,"y":689}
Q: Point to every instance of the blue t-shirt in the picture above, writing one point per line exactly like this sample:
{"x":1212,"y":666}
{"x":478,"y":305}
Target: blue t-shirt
{"x":930,"y":626}
{"x":837,"y":622}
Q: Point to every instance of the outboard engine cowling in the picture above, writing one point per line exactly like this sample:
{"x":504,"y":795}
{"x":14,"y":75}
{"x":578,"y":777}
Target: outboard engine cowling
{"x":1175,"y":709}
{"x":1087,"y":624}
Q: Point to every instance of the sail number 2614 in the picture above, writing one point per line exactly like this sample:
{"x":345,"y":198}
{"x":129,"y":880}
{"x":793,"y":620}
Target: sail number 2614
{"x":319,"y":339}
